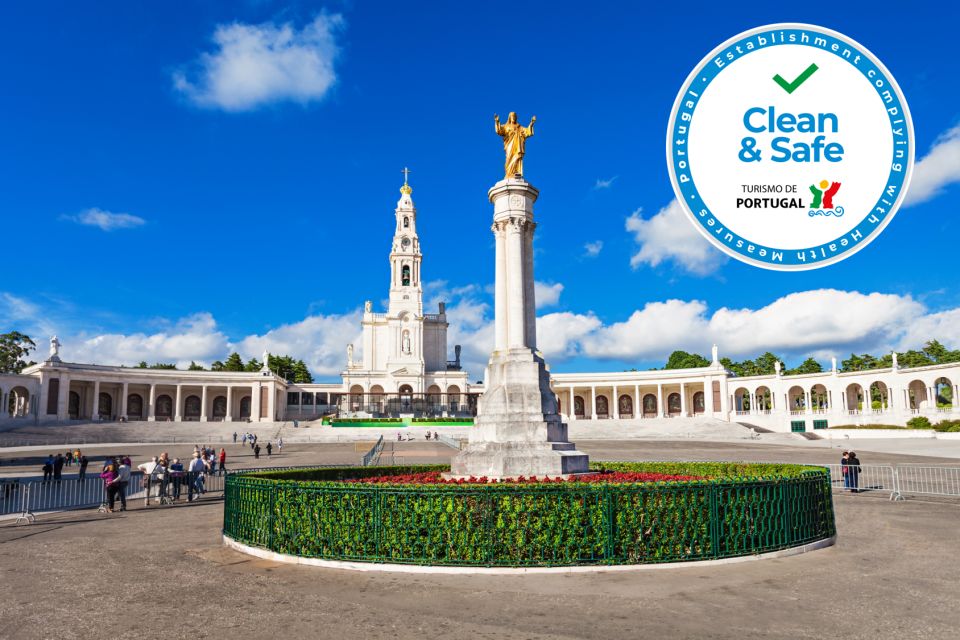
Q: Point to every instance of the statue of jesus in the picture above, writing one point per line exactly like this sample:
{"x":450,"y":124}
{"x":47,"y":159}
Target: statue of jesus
{"x":514,"y":142}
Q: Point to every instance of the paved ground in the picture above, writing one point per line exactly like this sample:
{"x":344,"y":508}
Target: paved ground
{"x":164,"y":572}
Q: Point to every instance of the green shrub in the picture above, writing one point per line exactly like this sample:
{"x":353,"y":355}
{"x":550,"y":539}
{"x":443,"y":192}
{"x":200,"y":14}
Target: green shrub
{"x":919,"y":422}
{"x":948,"y":426}
{"x":869,"y":426}
{"x":741,"y":509}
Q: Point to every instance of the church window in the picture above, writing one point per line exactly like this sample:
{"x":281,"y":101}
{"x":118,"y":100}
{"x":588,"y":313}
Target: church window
{"x":405,"y":275}
{"x":406,"y":222}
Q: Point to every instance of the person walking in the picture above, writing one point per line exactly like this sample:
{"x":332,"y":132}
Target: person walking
{"x":244,"y":439}
{"x":123,"y":480}
{"x":269,"y":448}
{"x":48,"y":468}
{"x":109,"y":476}
{"x":83,"y":468}
{"x":148,"y":468}
{"x":279,"y":446}
{"x":223,"y":461}
{"x":58,"y":467}
{"x":234,"y":437}
{"x":853,"y":464}
{"x":256,"y":451}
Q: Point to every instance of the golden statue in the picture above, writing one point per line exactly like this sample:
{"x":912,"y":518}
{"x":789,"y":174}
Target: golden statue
{"x":514,"y":142}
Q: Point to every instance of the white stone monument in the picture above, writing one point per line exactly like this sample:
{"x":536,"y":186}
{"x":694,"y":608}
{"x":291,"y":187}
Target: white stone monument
{"x":518,"y":430}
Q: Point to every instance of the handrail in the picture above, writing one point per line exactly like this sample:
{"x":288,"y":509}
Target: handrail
{"x":370,"y":457}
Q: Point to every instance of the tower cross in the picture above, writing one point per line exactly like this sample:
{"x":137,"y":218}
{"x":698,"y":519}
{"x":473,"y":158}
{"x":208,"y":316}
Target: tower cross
{"x":406,"y":174}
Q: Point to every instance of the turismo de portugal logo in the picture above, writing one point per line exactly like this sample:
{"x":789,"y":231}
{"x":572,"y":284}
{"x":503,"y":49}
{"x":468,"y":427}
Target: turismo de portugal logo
{"x":790,"y":146}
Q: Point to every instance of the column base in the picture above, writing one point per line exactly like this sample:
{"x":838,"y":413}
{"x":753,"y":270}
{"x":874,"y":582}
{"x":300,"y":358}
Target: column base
{"x":177,"y":418}
{"x":518,"y":431}
{"x":228,"y":418}
{"x":203,"y":419}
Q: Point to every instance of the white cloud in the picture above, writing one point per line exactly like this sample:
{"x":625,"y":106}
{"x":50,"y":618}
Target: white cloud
{"x":195,"y":337}
{"x":593,"y":249}
{"x":546,"y":295}
{"x":670,"y":236}
{"x":819,"y":322}
{"x":260,"y":64}
{"x":106,"y":220}
{"x":604,"y":184}
{"x":320,"y":341}
{"x":936,"y":170}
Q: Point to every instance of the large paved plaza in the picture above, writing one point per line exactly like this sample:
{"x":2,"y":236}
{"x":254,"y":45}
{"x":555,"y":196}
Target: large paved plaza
{"x":163,"y":572}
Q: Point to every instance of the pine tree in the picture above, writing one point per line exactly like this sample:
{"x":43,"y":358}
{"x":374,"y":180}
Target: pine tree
{"x":234,"y":363}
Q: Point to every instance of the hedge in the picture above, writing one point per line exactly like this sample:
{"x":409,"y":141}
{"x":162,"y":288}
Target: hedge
{"x":742,"y":509}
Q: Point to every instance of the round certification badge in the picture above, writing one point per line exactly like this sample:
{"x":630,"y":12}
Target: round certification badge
{"x":790,"y":147}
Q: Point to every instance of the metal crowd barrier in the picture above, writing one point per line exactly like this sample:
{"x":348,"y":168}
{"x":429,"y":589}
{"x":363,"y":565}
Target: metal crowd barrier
{"x":370,"y":457}
{"x":37,"y":496}
{"x":865,"y":478}
{"x":933,"y":480}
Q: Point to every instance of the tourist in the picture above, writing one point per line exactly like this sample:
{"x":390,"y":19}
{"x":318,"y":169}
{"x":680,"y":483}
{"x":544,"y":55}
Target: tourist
{"x":83,"y":467}
{"x":162,"y":474}
{"x":48,"y":468}
{"x":176,"y":477}
{"x":845,"y":469}
{"x":109,"y":476}
{"x":436,"y":436}
{"x":68,"y":458}
{"x":123,"y":479}
{"x":853,"y":465}
{"x":428,"y":435}
{"x":223,"y":461}
{"x":196,"y":477}
{"x":399,"y":437}
{"x":279,"y":446}
{"x":269,"y":448}
{"x":256,"y":451}
{"x":58,"y":467}
{"x":148,"y":468}
{"x":244,"y":439}
{"x":234,"y":437}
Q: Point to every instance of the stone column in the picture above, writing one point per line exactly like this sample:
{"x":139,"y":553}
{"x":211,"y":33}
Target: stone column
{"x":271,"y":403}
{"x":63,"y":402}
{"x":572,"y":410}
{"x":807,"y":400}
{"x":229,"y":416}
{"x":123,"y":401}
{"x":152,"y":406}
{"x":518,"y":430}
{"x":203,"y":404}
{"x":177,"y":410}
{"x":637,"y":402}
{"x":95,"y":412}
{"x":530,"y":316}
{"x":660,"y":408}
{"x":593,"y":403}
{"x":516,"y":314}
{"x":708,"y":397}
{"x":683,"y":399}
{"x":255,"y":403}
{"x":616,"y":404}
{"x":500,"y":299}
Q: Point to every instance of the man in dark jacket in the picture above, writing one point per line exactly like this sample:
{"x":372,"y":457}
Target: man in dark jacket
{"x":58,"y":467}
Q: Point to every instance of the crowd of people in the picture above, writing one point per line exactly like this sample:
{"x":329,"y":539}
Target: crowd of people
{"x":164,"y":479}
{"x":254,"y":442}
{"x":53,"y":466}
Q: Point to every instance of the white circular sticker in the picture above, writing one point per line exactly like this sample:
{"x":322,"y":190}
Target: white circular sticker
{"x":790,"y":147}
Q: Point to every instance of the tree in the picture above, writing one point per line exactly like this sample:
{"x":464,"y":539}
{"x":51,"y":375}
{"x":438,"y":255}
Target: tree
{"x":161,"y":365}
{"x":195,"y":367}
{"x":683,"y":360}
{"x":253,"y":366}
{"x":216,"y":365}
{"x":142,"y":365}
{"x":234,"y":363}
{"x":301,"y":374}
{"x":807,"y":366}
{"x":14,"y":347}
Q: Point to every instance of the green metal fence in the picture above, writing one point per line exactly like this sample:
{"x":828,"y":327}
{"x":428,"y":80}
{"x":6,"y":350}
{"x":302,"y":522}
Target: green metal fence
{"x":525,"y":525}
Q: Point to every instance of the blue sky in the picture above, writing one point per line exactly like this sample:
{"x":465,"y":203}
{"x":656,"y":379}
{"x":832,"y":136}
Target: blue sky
{"x":255,"y":149}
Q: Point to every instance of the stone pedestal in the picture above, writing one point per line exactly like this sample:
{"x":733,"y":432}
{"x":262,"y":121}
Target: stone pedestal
{"x":518,"y":431}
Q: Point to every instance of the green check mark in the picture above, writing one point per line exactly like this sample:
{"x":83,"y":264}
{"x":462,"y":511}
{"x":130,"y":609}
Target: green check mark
{"x":790,"y":87}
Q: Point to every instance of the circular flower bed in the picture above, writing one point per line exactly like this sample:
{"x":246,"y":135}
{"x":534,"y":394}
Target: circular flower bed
{"x":625,"y":513}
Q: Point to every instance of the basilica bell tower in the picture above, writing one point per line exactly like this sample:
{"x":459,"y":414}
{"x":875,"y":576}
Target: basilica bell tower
{"x":406,"y":289}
